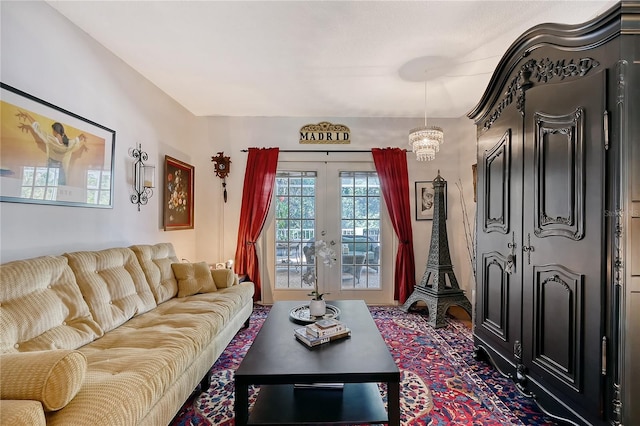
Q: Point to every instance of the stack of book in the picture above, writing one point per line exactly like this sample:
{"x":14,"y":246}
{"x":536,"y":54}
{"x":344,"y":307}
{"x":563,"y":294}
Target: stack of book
{"x":322,"y":331}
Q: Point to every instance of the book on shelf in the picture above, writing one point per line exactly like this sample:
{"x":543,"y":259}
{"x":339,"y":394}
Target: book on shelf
{"x":336,"y":386}
{"x":325,"y":327}
{"x":302,"y":335}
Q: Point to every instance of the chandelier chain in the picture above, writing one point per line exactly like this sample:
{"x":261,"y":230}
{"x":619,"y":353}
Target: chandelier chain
{"x":425,"y":99}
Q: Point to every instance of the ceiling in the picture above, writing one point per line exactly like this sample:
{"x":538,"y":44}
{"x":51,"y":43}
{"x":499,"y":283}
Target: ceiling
{"x":318,"y":58}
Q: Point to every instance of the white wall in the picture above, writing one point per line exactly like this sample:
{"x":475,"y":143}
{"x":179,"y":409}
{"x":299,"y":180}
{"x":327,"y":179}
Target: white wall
{"x":47,"y":57}
{"x":454,"y":161}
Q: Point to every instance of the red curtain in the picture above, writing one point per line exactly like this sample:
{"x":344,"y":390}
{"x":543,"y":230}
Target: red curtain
{"x":259,"y":180}
{"x":391,"y":165}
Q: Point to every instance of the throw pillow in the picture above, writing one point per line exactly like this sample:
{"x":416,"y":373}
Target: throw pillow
{"x":223,"y":277}
{"x":23,"y":412}
{"x":193,"y":278}
{"x":51,"y":377}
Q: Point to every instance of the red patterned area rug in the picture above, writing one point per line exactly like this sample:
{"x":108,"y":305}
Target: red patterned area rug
{"x":442,"y":384}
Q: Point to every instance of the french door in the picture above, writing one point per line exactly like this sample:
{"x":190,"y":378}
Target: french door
{"x":341,"y":204}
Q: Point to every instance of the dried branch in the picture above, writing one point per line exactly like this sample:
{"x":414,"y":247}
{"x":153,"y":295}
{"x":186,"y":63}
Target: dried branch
{"x":469,"y":232}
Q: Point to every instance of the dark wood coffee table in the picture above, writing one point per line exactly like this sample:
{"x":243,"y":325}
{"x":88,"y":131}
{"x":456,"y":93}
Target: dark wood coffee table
{"x":276,"y":360}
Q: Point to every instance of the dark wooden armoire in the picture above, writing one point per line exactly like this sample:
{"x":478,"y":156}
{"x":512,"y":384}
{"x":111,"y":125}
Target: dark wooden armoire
{"x":558,"y":218}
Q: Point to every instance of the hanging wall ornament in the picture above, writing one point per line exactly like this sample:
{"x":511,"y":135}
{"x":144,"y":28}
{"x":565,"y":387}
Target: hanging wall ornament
{"x":222,"y":165}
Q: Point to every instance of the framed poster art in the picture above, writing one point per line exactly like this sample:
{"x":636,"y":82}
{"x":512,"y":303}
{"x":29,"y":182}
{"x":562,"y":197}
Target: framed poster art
{"x":51,"y":155}
{"x":178,"y":185}
{"x":424,"y":199}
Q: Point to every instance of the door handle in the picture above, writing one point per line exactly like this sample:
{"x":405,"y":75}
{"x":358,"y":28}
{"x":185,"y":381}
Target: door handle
{"x":510,"y":268}
{"x":528,"y":249}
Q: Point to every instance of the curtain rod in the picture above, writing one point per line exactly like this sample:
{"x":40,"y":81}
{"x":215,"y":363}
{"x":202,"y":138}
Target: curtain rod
{"x":323,"y":150}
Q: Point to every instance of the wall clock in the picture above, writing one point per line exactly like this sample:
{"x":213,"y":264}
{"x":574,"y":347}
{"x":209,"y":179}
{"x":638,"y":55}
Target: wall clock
{"x":222,"y":167}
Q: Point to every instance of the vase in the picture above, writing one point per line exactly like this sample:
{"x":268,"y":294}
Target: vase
{"x":317,"y":308}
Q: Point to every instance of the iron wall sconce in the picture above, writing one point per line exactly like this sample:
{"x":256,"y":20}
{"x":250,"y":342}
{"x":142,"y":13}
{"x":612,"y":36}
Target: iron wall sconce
{"x":144,"y":177}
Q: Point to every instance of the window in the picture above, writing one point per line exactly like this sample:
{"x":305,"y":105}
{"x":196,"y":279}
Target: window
{"x":360,"y":229}
{"x":295,"y":220}
{"x":339,"y":202}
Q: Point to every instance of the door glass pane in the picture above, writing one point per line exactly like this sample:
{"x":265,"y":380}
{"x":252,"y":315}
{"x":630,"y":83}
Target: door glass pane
{"x":295,"y":219}
{"x":360,"y":236}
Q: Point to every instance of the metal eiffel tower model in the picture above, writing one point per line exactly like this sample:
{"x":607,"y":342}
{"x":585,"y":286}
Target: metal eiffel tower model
{"x":434,"y":289}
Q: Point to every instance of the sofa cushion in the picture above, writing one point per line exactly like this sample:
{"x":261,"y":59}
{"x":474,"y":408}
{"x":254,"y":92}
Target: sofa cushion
{"x":41,"y":307}
{"x":51,"y":377}
{"x":193,"y":278}
{"x":156,"y":263}
{"x":21,"y":413}
{"x":132,"y":367}
{"x":113,"y":284}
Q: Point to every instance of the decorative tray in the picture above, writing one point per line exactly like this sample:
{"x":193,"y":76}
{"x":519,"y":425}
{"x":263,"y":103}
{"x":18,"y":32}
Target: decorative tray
{"x":300,"y":314}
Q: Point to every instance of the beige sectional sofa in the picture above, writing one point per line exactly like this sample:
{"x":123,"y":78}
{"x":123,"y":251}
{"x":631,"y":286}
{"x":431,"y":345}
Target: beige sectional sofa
{"x":103,"y":338}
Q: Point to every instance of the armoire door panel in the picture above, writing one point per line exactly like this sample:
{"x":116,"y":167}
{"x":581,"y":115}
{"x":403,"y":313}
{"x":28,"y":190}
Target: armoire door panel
{"x":495,"y":295}
{"x":564,"y":269}
{"x":497,"y":185}
{"x":558,"y":311}
{"x":499,"y":216}
{"x":559,"y":171}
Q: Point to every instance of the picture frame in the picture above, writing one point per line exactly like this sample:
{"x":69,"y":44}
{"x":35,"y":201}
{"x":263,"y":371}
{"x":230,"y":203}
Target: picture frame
{"x":424,"y":193}
{"x":178,"y":183}
{"x":51,"y":155}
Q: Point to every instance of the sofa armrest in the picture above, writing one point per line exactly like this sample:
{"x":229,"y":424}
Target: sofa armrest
{"x":21,"y":413}
{"x":52,"y":378}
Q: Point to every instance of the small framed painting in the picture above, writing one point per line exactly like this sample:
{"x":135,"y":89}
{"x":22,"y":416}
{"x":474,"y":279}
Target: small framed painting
{"x":178,"y":185}
{"x":51,"y":155}
{"x":424,"y":199}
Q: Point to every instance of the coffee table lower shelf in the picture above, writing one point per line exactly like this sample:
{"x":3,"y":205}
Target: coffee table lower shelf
{"x":356,"y":403}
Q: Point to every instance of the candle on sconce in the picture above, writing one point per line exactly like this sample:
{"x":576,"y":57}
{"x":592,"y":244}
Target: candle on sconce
{"x":149,"y":176}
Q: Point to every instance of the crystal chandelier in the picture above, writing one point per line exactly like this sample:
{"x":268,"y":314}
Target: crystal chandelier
{"x":425,"y":141}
